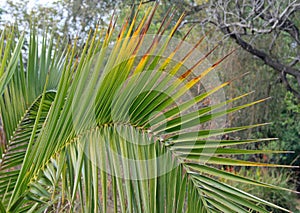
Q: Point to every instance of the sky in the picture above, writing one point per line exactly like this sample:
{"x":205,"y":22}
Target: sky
{"x":31,"y":2}
{"x":8,"y":18}
{"x":29,"y":6}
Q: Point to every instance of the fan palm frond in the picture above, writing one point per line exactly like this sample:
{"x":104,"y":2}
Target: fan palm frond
{"x":110,"y":128}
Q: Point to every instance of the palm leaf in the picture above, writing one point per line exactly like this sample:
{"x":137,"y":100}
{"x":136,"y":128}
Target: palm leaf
{"x":14,"y":153}
{"x":8,"y":59}
{"x":116,"y":133}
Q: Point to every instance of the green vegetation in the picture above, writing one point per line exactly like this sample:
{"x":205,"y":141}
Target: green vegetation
{"x":119,"y":120}
{"x":276,"y":177}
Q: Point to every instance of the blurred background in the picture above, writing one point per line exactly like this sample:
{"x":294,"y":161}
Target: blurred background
{"x":265,"y":35}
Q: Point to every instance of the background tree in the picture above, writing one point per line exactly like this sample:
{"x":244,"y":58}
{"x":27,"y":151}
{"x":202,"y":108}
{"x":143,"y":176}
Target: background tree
{"x":264,"y":31}
{"x":110,"y":131}
{"x":67,"y":18}
{"x":267,"y":29}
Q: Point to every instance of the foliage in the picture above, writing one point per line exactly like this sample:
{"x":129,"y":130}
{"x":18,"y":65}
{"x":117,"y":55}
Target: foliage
{"x":282,"y":178}
{"x":64,"y":17}
{"x":289,"y":136}
{"x":108,"y":128}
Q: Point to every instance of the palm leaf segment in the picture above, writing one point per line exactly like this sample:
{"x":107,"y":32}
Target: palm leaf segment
{"x":116,"y":132}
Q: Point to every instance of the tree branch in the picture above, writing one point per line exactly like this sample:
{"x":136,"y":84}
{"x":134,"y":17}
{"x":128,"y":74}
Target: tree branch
{"x":283,"y":21}
{"x":288,"y":86}
{"x":275,"y":64}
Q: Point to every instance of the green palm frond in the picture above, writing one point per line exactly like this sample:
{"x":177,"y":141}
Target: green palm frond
{"x":110,"y":129}
{"x":14,"y":153}
{"x":8,"y":58}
